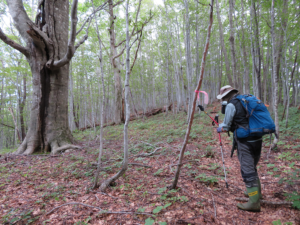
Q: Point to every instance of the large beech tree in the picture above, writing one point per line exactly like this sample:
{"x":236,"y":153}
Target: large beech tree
{"x":48,"y":52}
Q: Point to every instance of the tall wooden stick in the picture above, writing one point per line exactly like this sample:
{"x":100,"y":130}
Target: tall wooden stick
{"x":173,"y":186}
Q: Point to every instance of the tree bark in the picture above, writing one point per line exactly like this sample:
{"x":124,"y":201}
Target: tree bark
{"x":275,"y":73}
{"x":232,"y":46}
{"x":256,"y":50}
{"x":115,"y":65}
{"x":179,"y":165}
{"x":22,"y":102}
{"x":48,"y":52}
{"x":227,"y":66}
{"x":246,"y":86}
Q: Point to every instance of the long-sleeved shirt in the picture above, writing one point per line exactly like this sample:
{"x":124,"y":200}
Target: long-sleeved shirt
{"x":229,"y":114}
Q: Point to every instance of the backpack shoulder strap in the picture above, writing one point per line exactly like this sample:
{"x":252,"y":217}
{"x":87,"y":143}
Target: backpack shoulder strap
{"x":237,"y":99}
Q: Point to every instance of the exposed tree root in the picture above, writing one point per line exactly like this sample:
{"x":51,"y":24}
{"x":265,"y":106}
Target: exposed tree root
{"x":29,"y":147}
{"x":110,"y":180}
{"x":64,"y":148}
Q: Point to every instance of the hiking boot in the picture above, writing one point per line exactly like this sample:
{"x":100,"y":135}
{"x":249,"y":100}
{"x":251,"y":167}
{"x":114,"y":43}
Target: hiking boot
{"x":254,"y":203}
{"x":259,"y":188}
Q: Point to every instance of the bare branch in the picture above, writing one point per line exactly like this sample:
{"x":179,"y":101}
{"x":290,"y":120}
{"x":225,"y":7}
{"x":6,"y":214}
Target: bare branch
{"x":20,"y":17}
{"x":13,"y":44}
{"x":90,"y":17}
{"x":136,"y":52}
{"x":133,"y":42}
{"x":117,"y":56}
{"x":7,"y":125}
{"x":202,"y":3}
{"x":118,"y":3}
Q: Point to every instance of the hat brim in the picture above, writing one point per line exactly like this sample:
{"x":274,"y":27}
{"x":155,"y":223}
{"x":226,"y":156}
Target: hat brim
{"x":226,"y":93}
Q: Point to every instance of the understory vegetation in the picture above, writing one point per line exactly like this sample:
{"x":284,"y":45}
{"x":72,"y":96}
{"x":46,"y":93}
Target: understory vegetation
{"x":32,"y":186}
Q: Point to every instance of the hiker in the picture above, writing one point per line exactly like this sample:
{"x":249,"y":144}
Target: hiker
{"x":248,"y":148}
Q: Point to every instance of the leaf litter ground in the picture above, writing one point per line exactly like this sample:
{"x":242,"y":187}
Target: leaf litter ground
{"x":33,"y":186}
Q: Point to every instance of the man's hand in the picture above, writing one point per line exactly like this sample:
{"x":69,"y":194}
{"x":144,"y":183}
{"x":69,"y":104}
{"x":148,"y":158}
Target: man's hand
{"x":219,"y":129}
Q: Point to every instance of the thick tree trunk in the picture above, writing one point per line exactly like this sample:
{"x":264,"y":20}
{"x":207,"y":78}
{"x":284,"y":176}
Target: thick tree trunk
{"x":48,"y":54}
{"x":48,"y":127}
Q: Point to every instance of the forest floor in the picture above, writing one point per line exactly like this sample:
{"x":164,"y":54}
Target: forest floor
{"x":33,"y":187}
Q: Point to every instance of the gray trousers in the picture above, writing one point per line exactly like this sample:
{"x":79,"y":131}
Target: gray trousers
{"x":249,"y":152}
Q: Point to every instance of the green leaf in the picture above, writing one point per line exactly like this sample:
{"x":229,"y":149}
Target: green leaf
{"x":141,"y":209}
{"x":149,"y":221}
{"x":270,"y":165}
{"x":14,"y":220}
{"x":276,"y":222}
{"x":167,"y":205}
{"x":158,"y":209}
{"x":292,"y":164}
{"x":162,"y":223}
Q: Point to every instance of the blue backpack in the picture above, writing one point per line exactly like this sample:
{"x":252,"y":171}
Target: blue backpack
{"x":260,"y":120}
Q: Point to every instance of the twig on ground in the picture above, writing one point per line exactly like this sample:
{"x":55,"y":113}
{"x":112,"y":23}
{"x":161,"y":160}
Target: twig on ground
{"x":137,"y":164}
{"x":269,"y":152}
{"x":147,"y":154}
{"x":97,"y":198}
{"x":103,"y":193}
{"x":266,"y":202}
{"x":72,"y":203}
{"x":102,"y":211}
{"x":150,"y":193}
{"x":151,"y":144}
{"x":214,"y":205}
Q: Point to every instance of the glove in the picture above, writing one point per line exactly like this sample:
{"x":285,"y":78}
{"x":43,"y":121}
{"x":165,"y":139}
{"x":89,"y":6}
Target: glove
{"x":219,"y":130}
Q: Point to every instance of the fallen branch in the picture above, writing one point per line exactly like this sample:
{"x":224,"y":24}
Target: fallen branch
{"x":148,"y":154}
{"x":137,"y":164}
{"x":266,"y":202}
{"x":214,"y":205}
{"x":102,"y":211}
{"x":103,"y":193}
{"x":72,"y":203}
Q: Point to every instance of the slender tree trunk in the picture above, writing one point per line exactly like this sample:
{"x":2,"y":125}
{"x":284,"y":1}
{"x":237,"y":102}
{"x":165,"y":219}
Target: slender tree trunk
{"x":22,"y":102}
{"x":179,"y":165}
{"x":188,"y":57}
{"x":256,"y":49}
{"x":232,"y":46}
{"x":289,"y":88}
{"x":246,"y":86}
{"x":275,"y":74}
{"x":228,"y":74}
{"x":266,"y":73}
{"x":115,"y":65}
{"x":102,"y":106}
{"x":105,"y":184}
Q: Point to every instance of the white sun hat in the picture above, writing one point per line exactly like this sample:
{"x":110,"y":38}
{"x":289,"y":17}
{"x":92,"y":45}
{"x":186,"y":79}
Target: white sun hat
{"x":224,"y":91}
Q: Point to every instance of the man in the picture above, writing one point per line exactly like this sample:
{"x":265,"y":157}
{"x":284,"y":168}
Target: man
{"x":249,"y":148}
